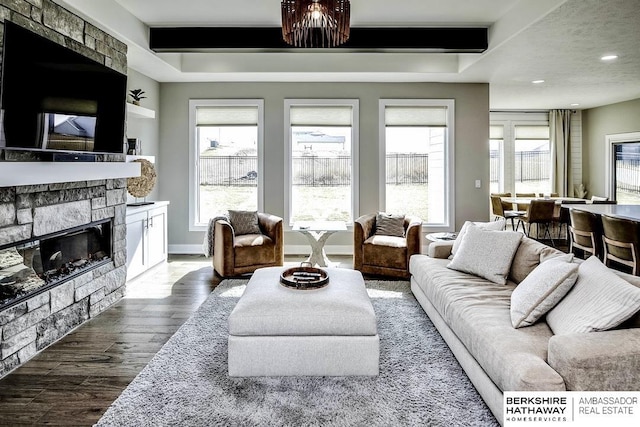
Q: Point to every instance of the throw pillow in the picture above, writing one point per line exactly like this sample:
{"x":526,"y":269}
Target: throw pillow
{"x":389,"y":225}
{"x":529,"y":255}
{"x":244,"y":222}
{"x":541,"y":290}
{"x":491,"y":225}
{"x":486,"y":253}
{"x":599,"y":300}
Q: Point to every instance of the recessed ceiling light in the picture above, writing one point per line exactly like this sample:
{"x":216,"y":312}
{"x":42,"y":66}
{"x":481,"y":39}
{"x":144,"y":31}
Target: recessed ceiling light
{"x":537,"y":82}
{"x":574,"y":105}
{"x":609,"y":57}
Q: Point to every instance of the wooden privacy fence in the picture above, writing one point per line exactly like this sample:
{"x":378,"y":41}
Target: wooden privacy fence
{"x":313,"y":171}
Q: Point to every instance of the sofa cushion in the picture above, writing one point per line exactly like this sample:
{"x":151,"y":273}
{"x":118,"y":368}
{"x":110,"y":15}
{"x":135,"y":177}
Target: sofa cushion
{"x":491,"y":225}
{"x":600,"y":300}
{"x":244,"y":222}
{"x":530,"y":253}
{"x":599,"y":361}
{"x":477,"y":311}
{"x":485,"y":253}
{"x":389,"y":225}
{"x":541,"y":290}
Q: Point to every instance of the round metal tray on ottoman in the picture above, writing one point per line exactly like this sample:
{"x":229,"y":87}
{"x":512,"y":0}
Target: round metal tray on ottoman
{"x":304,"y":278}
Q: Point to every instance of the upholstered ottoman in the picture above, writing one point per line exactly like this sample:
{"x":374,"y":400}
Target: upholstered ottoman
{"x":278,"y":331}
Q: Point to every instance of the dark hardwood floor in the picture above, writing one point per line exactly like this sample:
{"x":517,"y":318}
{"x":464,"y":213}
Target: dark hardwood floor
{"x":76,"y":379}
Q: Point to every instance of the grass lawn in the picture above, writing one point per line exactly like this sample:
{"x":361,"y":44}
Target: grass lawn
{"x":328,"y":203}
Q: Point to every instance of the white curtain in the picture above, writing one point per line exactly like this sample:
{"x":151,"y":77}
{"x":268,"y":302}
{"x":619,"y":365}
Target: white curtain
{"x":559,"y":130}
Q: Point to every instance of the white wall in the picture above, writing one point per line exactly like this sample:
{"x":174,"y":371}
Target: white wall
{"x":598,"y":122}
{"x":147,"y":130}
{"x":471,"y":145}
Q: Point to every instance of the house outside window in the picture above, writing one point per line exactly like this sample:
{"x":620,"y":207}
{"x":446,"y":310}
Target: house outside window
{"x":321,"y":159}
{"x":416,"y":161}
{"x":225,"y":169}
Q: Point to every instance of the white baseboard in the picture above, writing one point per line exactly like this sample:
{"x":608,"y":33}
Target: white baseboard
{"x":186,"y":249}
{"x":288,"y":249}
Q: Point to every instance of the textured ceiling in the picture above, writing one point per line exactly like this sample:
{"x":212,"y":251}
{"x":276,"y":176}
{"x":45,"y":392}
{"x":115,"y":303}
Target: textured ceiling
{"x":559,"y":41}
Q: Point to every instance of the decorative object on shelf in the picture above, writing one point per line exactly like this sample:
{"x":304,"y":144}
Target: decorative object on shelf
{"x":304,"y":277}
{"x":579,"y":190}
{"x":134,"y":146}
{"x":136,"y":95}
{"x":141,"y":186}
{"x":315,"y":23}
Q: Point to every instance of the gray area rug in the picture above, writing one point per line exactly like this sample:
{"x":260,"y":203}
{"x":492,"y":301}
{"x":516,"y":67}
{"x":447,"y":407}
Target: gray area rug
{"x":420,"y":381}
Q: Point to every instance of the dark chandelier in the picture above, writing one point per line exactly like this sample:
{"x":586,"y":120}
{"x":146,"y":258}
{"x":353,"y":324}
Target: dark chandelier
{"x":315,"y":23}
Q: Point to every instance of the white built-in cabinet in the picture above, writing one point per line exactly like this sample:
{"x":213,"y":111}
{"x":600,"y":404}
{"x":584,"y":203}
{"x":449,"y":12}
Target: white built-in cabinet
{"x":146,"y":237}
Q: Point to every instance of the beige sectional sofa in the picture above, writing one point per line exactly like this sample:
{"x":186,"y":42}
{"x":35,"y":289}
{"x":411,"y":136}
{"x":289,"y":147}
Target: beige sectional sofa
{"x":473,"y":316}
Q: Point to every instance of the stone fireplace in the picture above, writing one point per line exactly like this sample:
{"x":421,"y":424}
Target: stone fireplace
{"x":70,"y":241}
{"x":64,"y":237}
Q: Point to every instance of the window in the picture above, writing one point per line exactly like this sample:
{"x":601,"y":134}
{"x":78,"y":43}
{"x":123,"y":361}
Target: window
{"x":496,"y":158}
{"x":532,"y":163}
{"x":226,"y":158}
{"x":520,"y":153}
{"x":623,"y":168}
{"x":416,"y":162}
{"x":321,"y":159}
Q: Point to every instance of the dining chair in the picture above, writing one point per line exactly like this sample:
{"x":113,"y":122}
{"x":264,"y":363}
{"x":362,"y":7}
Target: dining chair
{"x":506,"y":206}
{"x":497,"y":205}
{"x":585,"y":233}
{"x":540,"y":212}
{"x":561,"y":215}
{"x":621,"y":242}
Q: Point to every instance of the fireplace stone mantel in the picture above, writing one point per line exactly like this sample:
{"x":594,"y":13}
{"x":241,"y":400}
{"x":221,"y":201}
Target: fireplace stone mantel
{"x":13,"y":174}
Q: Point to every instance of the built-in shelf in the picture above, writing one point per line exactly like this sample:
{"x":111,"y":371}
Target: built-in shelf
{"x":139,"y":112}
{"x":14,"y":174}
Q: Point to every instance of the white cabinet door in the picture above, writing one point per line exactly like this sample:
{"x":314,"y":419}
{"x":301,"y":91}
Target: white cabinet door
{"x":146,"y":238}
{"x":157,"y":236}
{"x":136,"y":244}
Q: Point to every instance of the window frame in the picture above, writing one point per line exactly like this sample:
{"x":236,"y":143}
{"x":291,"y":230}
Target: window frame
{"x":194,"y":104}
{"x":611,"y":141}
{"x":355,"y":132}
{"x":449,"y":104}
{"x":510,"y":121}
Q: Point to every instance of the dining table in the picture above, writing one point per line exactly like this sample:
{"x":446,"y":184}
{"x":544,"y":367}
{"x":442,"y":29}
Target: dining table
{"x":527,"y":200}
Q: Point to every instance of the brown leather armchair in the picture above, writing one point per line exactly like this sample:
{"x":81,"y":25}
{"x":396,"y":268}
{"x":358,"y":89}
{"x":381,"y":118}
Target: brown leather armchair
{"x":234,"y":255}
{"x":385,"y":255}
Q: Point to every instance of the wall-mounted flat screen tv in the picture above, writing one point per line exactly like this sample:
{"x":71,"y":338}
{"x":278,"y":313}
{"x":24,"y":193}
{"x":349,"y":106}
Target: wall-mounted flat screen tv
{"x":54,"y":98}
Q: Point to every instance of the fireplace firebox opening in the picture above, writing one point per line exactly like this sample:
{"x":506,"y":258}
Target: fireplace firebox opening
{"x":33,"y":266}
